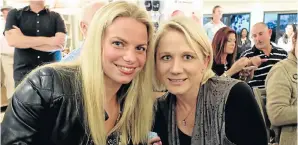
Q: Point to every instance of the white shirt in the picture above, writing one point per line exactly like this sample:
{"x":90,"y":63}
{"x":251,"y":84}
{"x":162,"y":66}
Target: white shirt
{"x":212,"y":28}
{"x":287,"y":47}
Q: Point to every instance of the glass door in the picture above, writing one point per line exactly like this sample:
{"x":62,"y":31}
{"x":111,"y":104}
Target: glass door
{"x":283,"y":20}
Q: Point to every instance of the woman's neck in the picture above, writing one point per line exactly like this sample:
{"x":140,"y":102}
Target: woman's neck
{"x":111,"y":89}
{"x":189,"y":99}
{"x":243,"y":37}
{"x":223,"y":59}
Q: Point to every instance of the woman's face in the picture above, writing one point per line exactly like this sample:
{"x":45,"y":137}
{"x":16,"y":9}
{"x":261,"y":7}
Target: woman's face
{"x":178,"y":66}
{"x":289,"y":30}
{"x":231,"y":44}
{"x":244,"y":33}
{"x":124,"y":49}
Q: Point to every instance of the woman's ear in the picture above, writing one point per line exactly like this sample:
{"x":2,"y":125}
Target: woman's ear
{"x":84,"y":29}
{"x":207,"y":61}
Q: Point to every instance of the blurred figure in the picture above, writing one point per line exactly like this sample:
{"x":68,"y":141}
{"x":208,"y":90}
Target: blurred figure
{"x":88,"y":12}
{"x":215,"y":24}
{"x":65,"y":52}
{"x":225,"y":49}
{"x":7,"y":53}
{"x":243,"y":42}
{"x":177,"y":13}
{"x":285,"y":41}
{"x":38,"y":35}
{"x":281,"y":92}
{"x":197,"y":16}
{"x":4,"y":11}
{"x":263,"y":54}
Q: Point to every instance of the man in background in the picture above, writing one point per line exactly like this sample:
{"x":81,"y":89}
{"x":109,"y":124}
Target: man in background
{"x":262,"y":50}
{"x":38,"y":36}
{"x":6,"y":60}
{"x":87,"y":14}
{"x":215,"y":24}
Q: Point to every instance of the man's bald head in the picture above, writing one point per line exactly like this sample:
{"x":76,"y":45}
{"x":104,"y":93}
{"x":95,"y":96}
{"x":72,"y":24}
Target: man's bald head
{"x":261,"y":35}
{"x":90,"y":9}
{"x":261,"y":25}
{"x":88,"y":12}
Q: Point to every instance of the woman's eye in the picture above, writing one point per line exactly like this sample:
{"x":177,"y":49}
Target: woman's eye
{"x":166,"y":57}
{"x":188,"y":57}
{"x":141,"y":48}
{"x":118,"y":43}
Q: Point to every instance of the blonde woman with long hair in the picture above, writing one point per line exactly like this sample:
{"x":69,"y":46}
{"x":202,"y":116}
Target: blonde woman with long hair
{"x":104,"y":97}
{"x":200,"y":108}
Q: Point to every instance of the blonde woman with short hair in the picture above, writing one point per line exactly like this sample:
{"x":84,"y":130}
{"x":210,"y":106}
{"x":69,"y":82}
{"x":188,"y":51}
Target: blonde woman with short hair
{"x":104,"y":97}
{"x":200,"y":108}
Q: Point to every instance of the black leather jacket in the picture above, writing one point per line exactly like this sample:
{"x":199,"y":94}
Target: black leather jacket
{"x":45,"y":111}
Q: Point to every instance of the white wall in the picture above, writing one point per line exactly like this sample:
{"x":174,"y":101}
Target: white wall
{"x":168,"y":6}
{"x":255,"y":8}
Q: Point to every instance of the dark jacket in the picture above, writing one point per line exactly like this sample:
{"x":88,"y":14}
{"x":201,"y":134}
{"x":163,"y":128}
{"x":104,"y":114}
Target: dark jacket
{"x":46,"y":110}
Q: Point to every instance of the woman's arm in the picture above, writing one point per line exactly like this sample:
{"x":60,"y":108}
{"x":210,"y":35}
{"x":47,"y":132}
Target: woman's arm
{"x":244,"y":122}
{"x":278,"y":91}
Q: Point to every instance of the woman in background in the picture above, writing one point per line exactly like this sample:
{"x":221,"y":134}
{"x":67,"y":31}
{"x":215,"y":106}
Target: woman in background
{"x":281,"y":91}
{"x":105,"y":97}
{"x":285,"y":41}
{"x":243,"y":43}
{"x":200,"y":108}
{"x":225,"y":50}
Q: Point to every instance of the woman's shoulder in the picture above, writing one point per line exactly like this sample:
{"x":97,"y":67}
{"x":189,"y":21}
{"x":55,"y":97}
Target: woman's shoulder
{"x":162,"y":104}
{"x":48,"y":83}
{"x":285,"y":70}
{"x":222,"y":82}
{"x":47,"y":76}
{"x":163,"y":101}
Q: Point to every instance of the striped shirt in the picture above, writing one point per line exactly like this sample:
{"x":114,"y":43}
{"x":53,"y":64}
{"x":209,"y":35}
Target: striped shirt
{"x":260,"y":73}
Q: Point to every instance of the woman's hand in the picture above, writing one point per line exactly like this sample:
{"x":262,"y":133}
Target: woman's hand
{"x":256,"y":61}
{"x":238,"y":66}
{"x":155,"y":141}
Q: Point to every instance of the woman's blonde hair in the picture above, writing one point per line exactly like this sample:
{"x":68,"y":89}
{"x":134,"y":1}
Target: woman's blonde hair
{"x":137,"y":116}
{"x":195,"y":36}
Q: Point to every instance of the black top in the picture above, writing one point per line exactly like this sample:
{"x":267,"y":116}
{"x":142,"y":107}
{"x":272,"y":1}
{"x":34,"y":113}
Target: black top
{"x":260,"y":73}
{"x":219,"y":69}
{"x":183,"y":138}
{"x":45,"y":23}
{"x":243,"y":120}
